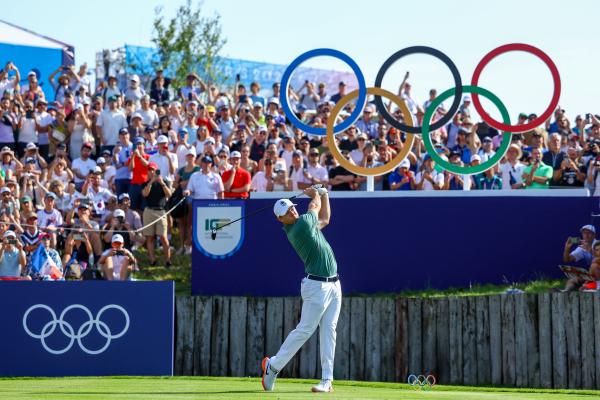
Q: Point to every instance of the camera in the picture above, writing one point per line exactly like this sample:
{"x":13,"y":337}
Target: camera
{"x":119,"y":253}
{"x":121,"y":220}
{"x":12,"y":241}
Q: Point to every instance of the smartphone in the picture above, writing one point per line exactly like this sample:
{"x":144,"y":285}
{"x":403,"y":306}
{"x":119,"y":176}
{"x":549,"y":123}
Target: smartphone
{"x":28,"y":114}
{"x":574,"y":240}
{"x":237,"y":77}
{"x":190,"y":96}
{"x":12,"y":241}
{"x":120,"y":253}
{"x":78,"y":236}
{"x":588,"y":116}
{"x":158,"y":172}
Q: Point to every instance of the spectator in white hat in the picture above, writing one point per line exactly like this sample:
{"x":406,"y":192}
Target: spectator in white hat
{"x":465,"y":107}
{"x":117,"y":262}
{"x":166,"y":161}
{"x":9,"y":84}
{"x":149,"y":116}
{"x":183,"y":146}
{"x":12,"y":256}
{"x":579,"y":251}
{"x":511,"y":170}
{"x":236,"y":180}
{"x":366,"y":124}
{"x":134,"y":92}
{"x":109,"y":123}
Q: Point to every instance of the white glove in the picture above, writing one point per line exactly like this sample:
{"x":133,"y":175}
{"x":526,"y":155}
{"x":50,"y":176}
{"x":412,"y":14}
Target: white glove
{"x":322,"y":190}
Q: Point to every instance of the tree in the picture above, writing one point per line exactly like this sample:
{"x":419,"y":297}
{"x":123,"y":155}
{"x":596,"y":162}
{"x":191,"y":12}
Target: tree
{"x":189,"y":42}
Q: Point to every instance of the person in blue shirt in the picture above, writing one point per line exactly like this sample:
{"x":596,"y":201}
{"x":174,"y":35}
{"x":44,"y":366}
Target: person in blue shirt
{"x":402,"y":178}
{"x":488,"y":180}
{"x":12,"y":256}
{"x":461,"y":147}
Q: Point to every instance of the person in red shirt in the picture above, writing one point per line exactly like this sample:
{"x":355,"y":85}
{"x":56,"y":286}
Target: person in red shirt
{"x":138,"y":165}
{"x":236,"y":180}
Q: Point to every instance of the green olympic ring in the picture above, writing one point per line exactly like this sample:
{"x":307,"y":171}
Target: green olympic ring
{"x":468,"y":170}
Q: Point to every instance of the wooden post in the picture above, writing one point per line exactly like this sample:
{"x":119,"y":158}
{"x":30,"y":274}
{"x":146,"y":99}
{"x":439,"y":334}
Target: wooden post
{"x":588,"y":361}
{"x":387,"y":334}
{"x":402,"y":339}
{"x":415,"y":315}
{"x":508,"y":340}
{"x":184,"y":352}
{"x":469,"y":341}
{"x":220,"y":337}
{"x":292,"y":307}
{"x":341,"y":366}
{"x":373,"y":339}
{"x":442,"y":341}
{"x":238,"y":310}
{"x":559,"y":346}
{"x":455,"y":337}
{"x":429,"y":329}
{"x":274,"y":321}
{"x":573,"y":340}
{"x":255,"y":335}
{"x":357,"y":338}
{"x":202,"y":331}
{"x":484,"y":372}
{"x":545,"y":340}
{"x":495,"y":339}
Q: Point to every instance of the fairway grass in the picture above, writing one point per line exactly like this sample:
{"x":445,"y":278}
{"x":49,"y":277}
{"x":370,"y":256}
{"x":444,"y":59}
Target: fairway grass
{"x":180,"y":388}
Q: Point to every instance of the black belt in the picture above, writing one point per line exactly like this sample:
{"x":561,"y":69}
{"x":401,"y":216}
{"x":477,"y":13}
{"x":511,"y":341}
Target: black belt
{"x":156,"y":208}
{"x":322,"y":278}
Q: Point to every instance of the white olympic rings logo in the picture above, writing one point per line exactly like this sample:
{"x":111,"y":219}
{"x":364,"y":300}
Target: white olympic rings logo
{"x":68,"y":330}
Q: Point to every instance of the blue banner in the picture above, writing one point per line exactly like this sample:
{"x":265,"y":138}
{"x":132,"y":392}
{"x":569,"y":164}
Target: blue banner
{"x":87,"y":328}
{"x":389,"y":244}
{"x":209,"y":215}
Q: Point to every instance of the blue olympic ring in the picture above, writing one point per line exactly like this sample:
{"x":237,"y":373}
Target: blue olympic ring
{"x":285,"y":82}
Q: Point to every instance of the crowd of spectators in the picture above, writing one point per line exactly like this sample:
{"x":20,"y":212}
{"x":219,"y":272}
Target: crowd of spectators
{"x":83,"y":172}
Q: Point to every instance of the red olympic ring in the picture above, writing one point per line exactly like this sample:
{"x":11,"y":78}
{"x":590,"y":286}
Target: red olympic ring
{"x":555,"y":96}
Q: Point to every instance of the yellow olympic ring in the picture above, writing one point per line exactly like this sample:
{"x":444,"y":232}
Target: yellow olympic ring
{"x":382,"y":169}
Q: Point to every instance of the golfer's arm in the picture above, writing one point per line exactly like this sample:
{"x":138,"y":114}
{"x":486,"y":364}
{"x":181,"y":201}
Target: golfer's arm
{"x":315,"y":204}
{"x":325,"y":211}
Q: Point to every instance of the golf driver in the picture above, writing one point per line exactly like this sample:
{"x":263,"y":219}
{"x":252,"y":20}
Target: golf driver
{"x":213,"y":233}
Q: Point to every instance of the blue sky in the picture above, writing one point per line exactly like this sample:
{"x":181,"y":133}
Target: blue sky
{"x":276,"y":31}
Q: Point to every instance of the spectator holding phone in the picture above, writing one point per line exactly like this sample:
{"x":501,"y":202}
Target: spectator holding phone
{"x":402,"y":178}
{"x":156,"y":192}
{"x":78,"y":249}
{"x":117,"y":262}
{"x":12,"y":256}
{"x":138,"y":165}
{"x":578,"y":251}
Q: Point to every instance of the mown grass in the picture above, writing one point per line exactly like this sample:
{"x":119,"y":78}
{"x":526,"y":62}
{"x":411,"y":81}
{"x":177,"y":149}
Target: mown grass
{"x":183,"y":388}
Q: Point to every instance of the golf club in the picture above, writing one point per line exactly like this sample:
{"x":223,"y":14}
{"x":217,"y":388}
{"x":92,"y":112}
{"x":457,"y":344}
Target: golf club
{"x":213,"y":233}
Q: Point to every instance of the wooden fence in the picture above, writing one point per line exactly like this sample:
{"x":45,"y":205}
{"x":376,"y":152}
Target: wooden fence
{"x":544,"y":340}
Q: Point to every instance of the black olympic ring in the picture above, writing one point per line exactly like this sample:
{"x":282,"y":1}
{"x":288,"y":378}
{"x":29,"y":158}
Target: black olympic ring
{"x":415,"y":50}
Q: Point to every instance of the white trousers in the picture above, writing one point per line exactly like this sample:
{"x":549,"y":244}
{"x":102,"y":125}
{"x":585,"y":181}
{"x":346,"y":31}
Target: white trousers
{"x":321,"y":304}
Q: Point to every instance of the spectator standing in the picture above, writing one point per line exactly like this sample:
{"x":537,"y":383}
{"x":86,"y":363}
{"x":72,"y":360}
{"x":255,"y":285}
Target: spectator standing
{"x":156,"y":192}
{"x":134,"y":92}
{"x":166,"y":161}
{"x":537,"y":175}
{"x":82,"y":166}
{"x":205,"y":184}
{"x":511,"y":171}
{"x":138,"y":165}
{"x":109,"y":124}
{"x":236,"y":180}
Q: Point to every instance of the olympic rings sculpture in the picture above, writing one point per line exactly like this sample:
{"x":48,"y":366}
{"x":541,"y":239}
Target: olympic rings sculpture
{"x":408,"y":126}
{"x":68,"y":330}
{"x":421,"y":381}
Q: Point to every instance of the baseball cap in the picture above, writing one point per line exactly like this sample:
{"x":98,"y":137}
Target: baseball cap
{"x":467,"y":98}
{"x":210,"y":108}
{"x":258,"y":104}
{"x":9,"y":233}
{"x":31,"y":73}
{"x":50,"y":195}
{"x":207,"y":159}
{"x":235,"y":154}
{"x":523,"y":115}
{"x":149,"y":129}
{"x":112,"y":98}
{"x":342,"y":83}
{"x":190,"y":151}
{"x":117,"y":238}
{"x":152,"y":165}
{"x":139,"y":139}
{"x":162,"y":139}
{"x":487,"y":139}
{"x":30,"y":146}
{"x":297,"y":153}
{"x":123,"y":131}
{"x":5,"y":190}
{"x":136,"y":115}
{"x":119,"y":213}
{"x":282,"y":206}
{"x":101,"y":160}
{"x":135,"y":78}
{"x":124,"y":196}
{"x":475,"y":157}
{"x":5,"y":149}
{"x":31,"y":215}
{"x":26,"y":199}
{"x":83,"y":204}
{"x":404,"y":163}
{"x":273,"y":100}
{"x":97,"y":170}
{"x":210,"y":140}
{"x":182,"y":131}
{"x":30,"y":160}
{"x":88,"y":145}
{"x":590,"y":228}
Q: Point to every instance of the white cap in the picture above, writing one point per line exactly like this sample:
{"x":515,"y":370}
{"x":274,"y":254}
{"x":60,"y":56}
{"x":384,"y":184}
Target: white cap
{"x":100,"y":160}
{"x":404,"y":163}
{"x":134,"y":77}
{"x":475,"y":157}
{"x":97,"y":170}
{"x":273,"y":100}
{"x":162,"y":139}
{"x":9,"y":234}
{"x":31,"y":73}
{"x":235,"y":154}
{"x":467,"y":98}
{"x":210,"y":139}
{"x":137,"y":115}
{"x":589,"y":228}
{"x":191,"y":151}
{"x":119,"y":213}
{"x":5,"y":190}
{"x":30,"y":146}
{"x":282,"y":206}
{"x":117,"y":238}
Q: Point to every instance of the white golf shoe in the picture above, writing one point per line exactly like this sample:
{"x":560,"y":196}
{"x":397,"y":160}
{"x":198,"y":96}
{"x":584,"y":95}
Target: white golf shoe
{"x":269,"y":375}
{"x":323,"y":386}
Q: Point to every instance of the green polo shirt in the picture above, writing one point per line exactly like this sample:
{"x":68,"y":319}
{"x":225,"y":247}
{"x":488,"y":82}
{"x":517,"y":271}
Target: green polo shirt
{"x":542,"y":170}
{"x":312,"y":247}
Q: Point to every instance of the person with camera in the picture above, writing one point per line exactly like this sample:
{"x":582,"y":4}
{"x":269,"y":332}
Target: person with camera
{"x":572,"y":171}
{"x":12,"y":257}
{"x":193,"y":89}
{"x":537,"y":175}
{"x":156,"y":192}
{"x":9,"y":84}
{"x":117,"y":262}
{"x":78,"y":250}
{"x":117,"y":223}
{"x":578,"y":251}
{"x":428,"y":178}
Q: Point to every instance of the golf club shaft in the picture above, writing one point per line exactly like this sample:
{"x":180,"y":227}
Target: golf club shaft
{"x":257,"y":211}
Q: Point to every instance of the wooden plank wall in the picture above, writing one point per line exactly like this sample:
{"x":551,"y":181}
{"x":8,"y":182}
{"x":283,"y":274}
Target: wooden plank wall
{"x":544,"y":340}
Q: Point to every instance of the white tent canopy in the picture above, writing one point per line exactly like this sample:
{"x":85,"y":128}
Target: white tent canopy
{"x":12,"y":34}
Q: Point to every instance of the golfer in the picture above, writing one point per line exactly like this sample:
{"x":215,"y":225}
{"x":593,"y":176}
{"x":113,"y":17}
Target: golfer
{"x":320,"y":289}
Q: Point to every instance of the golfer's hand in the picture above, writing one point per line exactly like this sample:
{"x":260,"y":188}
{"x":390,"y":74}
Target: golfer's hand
{"x":311,"y":192}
